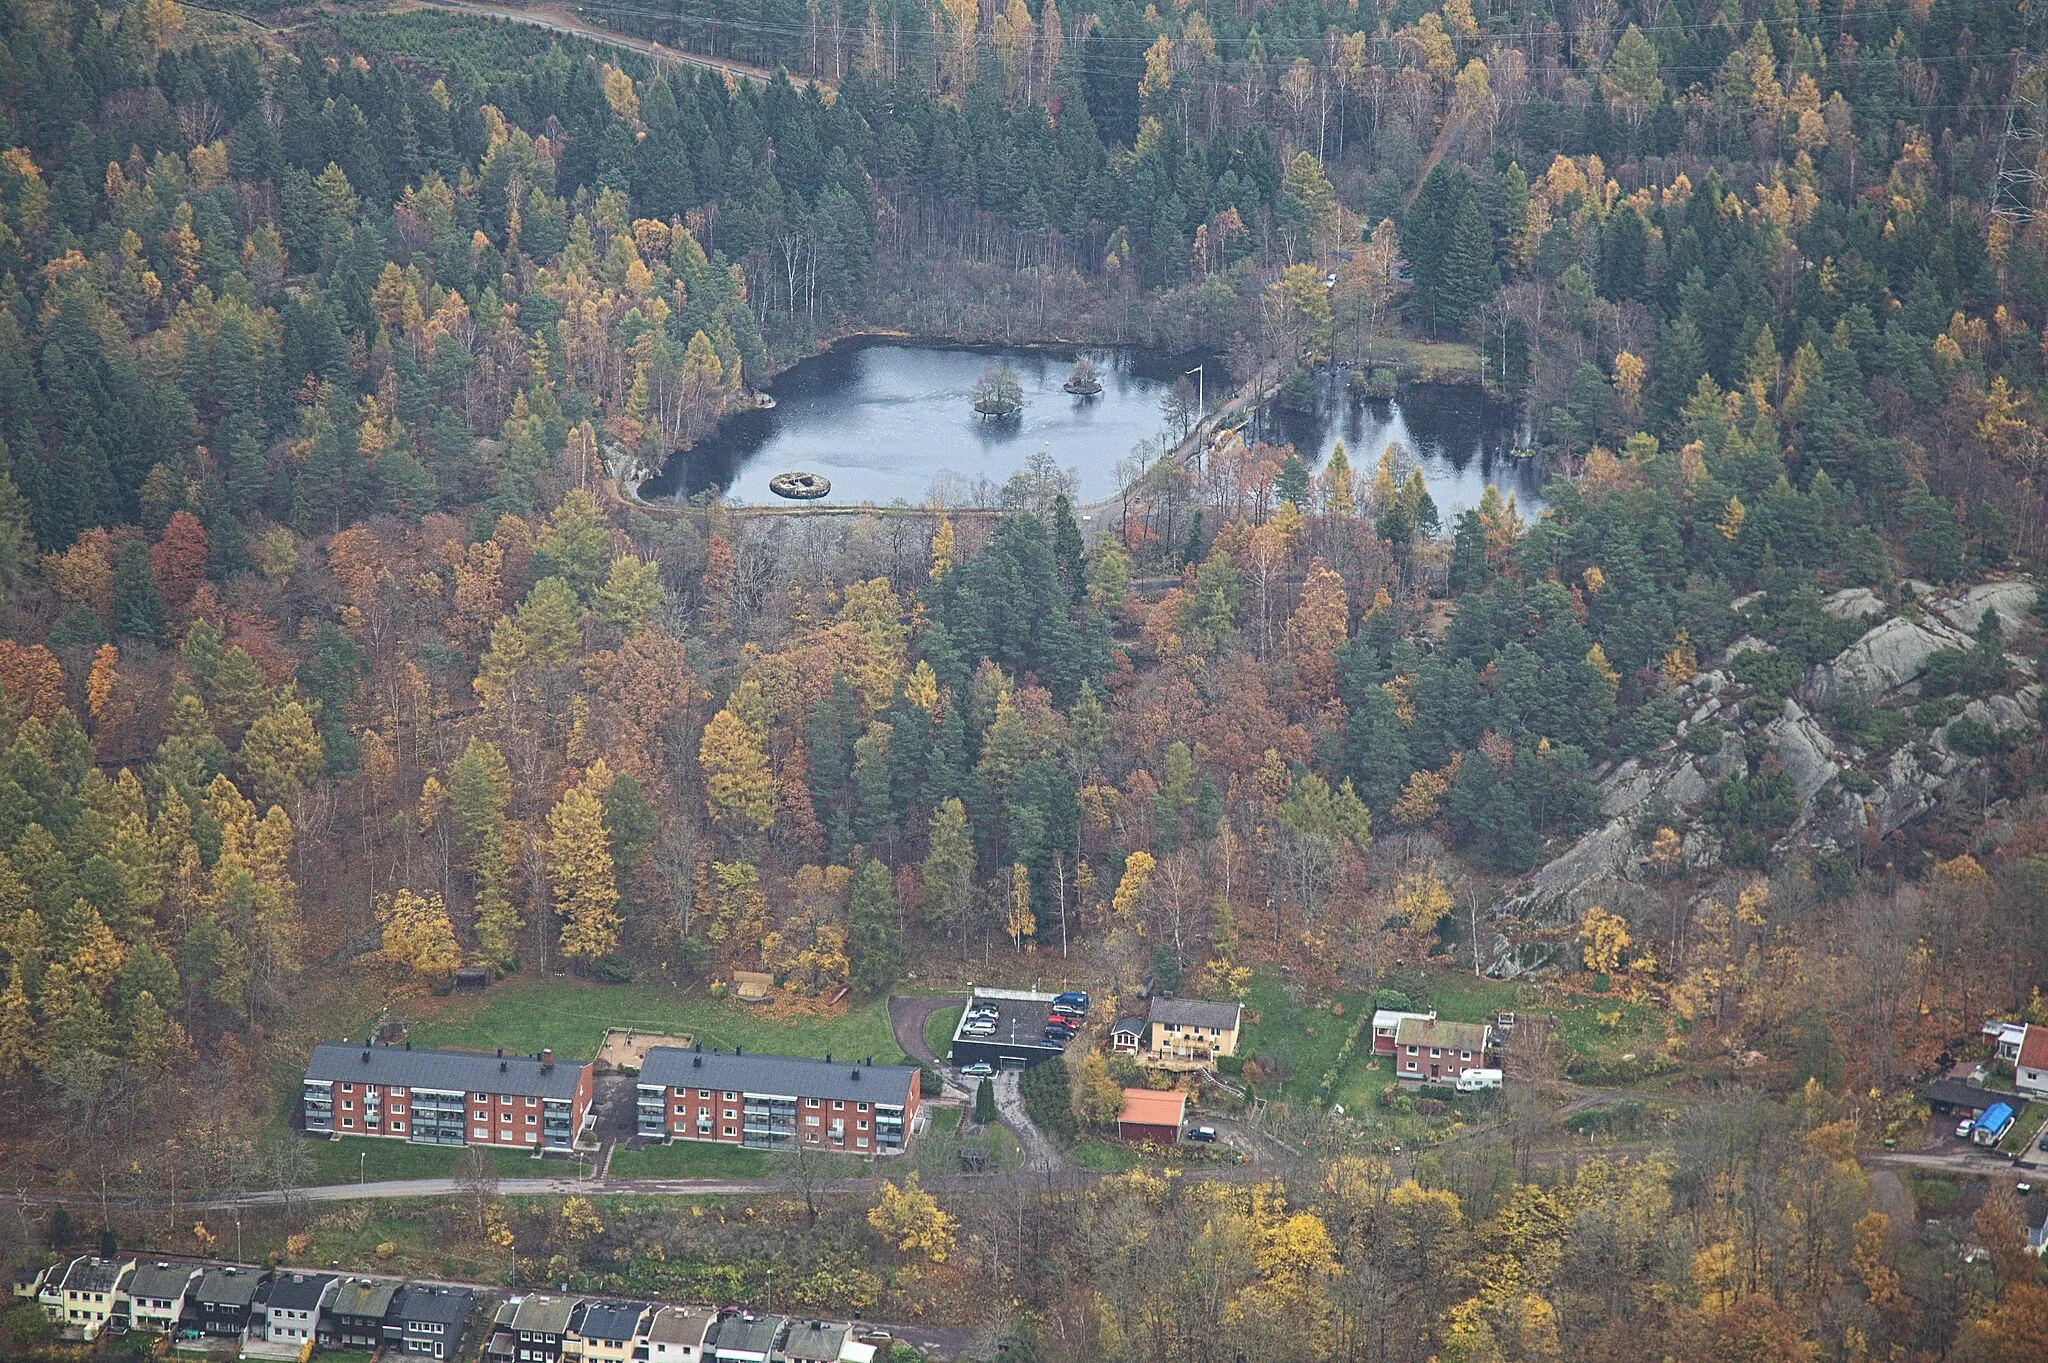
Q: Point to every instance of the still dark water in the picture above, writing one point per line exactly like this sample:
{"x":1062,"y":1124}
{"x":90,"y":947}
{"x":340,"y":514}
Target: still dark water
{"x":886,"y":420}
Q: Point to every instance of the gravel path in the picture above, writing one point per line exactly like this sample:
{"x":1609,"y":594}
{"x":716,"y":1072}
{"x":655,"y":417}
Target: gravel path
{"x":1040,"y":1154}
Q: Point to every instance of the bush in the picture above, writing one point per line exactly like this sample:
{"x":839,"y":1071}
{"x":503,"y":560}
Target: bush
{"x":1773,"y":676}
{"x":1974,"y":738}
{"x":30,"y":1328}
{"x":1704,"y":740}
{"x":929,"y":1084}
{"x":985,"y":1102}
{"x":612,"y":970}
{"x":1049,"y":1101}
{"x":1381,"y":383}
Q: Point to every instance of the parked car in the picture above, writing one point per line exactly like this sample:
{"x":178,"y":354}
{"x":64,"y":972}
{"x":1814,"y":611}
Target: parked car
{"x":1205,"y":1134}
{"x":1965,"y":1127}
{"x":980,"y":1069}
{"x":1075,"y":996}
{"x":1067,"y":1010}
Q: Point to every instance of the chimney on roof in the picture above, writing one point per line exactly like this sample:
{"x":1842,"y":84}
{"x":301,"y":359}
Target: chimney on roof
{"x":696,"y":1062}
{"x":503,"y":1066}
{"x":856,"y":1073}
{"x":700,"y":1045}
{"x":408,"y":1043}
{"x":739,"y":1050}
{"x":366,"y":1055}
{"x":828,"y":1057}
{"x":501,"y":1052}
{"x":547,"y":1057}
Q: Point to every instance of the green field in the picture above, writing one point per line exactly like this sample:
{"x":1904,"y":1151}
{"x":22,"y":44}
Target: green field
{"x":526,"y":1014}
{"x":690,"y":1159}
{"x":939,"y":1029}
{"x":1304,"y":1039}
{"x":2026,"y":1124}
{"x":1104,"y":1157}
{"x":425,"y":1238}
{"x":350,"y":1160}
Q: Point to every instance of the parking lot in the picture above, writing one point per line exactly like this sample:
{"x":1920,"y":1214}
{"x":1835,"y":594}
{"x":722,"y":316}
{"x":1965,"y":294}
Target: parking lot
{"x":1017,"y":1039}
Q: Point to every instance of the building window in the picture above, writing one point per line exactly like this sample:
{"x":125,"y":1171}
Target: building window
{"x":398,"y":1126}
{"x":482,"y":1133}
{"x":810,"y":1102}
{"x":728,"y":1114}
{"x":533,"y":1138}
{"x":838,"y":1106}
{"x":728,"y":1131}
{"x":348,"y":1121}
{"x":863,"y":1107}
{"x":810,"y":1121}
{"x":703,"y":1093}
{"x":531,"y":1101}
{"x":862,"y":1124}
{"x":861,"y":1141}
{"x":730,"y":1095}
{"x":347,"y":1106}
{"x":529,"y":1119}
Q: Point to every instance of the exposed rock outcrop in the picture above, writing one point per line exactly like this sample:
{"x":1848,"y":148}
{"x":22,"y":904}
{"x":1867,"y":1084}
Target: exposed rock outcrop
{"x":1846,"y":795}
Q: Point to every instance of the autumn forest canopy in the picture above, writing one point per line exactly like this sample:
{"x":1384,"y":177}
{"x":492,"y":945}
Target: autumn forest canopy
{"x":338,"y":650}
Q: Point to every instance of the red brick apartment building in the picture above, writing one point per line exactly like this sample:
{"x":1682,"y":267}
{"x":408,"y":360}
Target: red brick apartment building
{"x":447,"y":1097}
{"x":767,"y":1101}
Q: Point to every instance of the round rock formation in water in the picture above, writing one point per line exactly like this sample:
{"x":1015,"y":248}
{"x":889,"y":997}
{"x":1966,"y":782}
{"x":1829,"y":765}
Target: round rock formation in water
{"x":802,"y":487}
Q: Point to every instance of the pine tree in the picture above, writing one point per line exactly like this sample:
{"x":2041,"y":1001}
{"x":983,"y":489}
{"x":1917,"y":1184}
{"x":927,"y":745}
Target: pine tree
{"x":138,"y":606}
{"x":874,"y":932}
{"x":1470,"y":273}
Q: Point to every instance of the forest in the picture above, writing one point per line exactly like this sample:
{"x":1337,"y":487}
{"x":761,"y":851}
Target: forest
{"x":338,"y":651}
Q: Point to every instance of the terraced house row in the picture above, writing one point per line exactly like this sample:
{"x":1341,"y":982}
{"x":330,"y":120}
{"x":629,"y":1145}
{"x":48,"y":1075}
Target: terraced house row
{"x":548,"y":1328}
{"x":268,"y":1313}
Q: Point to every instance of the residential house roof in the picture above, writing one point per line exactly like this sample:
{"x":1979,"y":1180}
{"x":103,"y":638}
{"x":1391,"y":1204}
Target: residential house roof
{"x":785,"y":1075}
{"x":364,"y":1297}
{"x":681,"y":1325}
{"x":1435,"y":1033}
{"x":161,"y":1280}
{"x":231,"y":1285}
{"x":1386,"y":1019}
{"x":447,"y":1071}
{"x":609,"y":1320}
{"x":431,"y":1305}
{"x":1956,"y":1093}
{"x":2034,"y":1048}
{"x":815,"y":1341}
{"x":1153,"y":1107}
{"x":2034,"y":1211}
{"x":1127,"y":1027}
{"x":90,"y":1273}
{"x":544,"y":1315}
{"x":1222,"y":1017}
{"x":750,"y":1334}
{"x":299,"y":1291}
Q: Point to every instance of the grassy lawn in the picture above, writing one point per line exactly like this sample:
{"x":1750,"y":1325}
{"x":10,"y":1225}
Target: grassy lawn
{"x":938,"y":1150}
{"x":2025,"y":1124}
{"x":1104,"y":1157}
{"x":690,"y":1159}
{"x":939,"y":1028}
{"x":525,"y":1014}
{"x":349,"y":1160}
{"x":1303,"y":1038}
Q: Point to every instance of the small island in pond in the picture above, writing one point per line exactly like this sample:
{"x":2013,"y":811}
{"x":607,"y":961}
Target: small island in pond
{"x":1082,"y":382}
{"x":998,"y":393}
{"x":801,"y":487}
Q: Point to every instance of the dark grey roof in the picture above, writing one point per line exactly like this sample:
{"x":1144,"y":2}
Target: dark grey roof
{"x":445,"y":1305}
{"x":91,"y":1273}
{"x":160,"y":1280}
{"x":298,"y":1291}
{"x":613,"y":1320}
{"x":468,"y":1071}
{"x":364,"y":1297}
{"x":1135,"y":1026}
{"x":1956,"y":1093}
{"x":789,"y":1075}
{"x":812,"y":1340}
{"x":1195,"y":1012}
{"x":229,"y":1286}
{"x":758,"y":1335}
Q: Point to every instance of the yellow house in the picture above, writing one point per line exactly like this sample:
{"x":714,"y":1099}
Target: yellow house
{"x":85,"y":1298}
{"x":1180,"y":1034}
{"x":605,"y":1331}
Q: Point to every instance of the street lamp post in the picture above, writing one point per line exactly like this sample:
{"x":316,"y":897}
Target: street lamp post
{"x":1201,"y":391}
{"x":363,"y":1167}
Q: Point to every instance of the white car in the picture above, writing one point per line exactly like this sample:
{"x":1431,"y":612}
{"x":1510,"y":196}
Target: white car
{"x":980,"y":1069}
{"x":1965,"y":1127}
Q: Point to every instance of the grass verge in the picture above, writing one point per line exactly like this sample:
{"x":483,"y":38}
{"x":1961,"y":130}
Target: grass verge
{"x":362,"y":1159}
{"x":690,"y":1159}
{"x":939,"y":1029}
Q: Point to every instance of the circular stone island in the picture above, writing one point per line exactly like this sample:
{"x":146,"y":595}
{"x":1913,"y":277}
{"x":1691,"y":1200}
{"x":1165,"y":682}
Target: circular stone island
{"x":802,"y":487}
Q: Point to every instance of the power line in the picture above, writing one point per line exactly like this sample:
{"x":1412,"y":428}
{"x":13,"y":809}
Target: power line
{"x":2019,"y":147}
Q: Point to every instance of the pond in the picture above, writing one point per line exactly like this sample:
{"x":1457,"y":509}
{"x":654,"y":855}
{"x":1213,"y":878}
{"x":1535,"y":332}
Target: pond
{"x":888,"y":420}
{"x":1458,"y":438}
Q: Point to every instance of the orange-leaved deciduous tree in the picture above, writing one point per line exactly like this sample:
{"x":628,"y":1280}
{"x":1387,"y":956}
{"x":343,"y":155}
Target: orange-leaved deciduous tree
{"x":178,"y":560}
{"x":739,"y":789}
{"x":418,"y":934}
{"x":579,"y":861}
{"x":1314,"y":633}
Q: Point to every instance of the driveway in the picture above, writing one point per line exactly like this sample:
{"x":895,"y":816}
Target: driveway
{"x":907,"y":1016}
{"x":1040,"y":1154}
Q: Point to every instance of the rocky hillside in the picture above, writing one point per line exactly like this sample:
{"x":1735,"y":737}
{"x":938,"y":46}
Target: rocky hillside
{"x":1772,"y":756}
